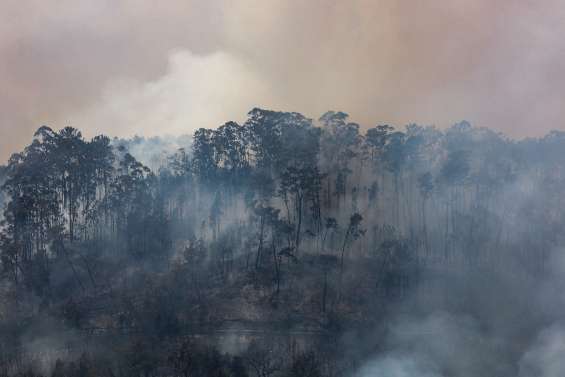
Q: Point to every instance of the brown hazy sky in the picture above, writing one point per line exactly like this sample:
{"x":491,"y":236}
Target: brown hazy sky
{"x":168,"y":67}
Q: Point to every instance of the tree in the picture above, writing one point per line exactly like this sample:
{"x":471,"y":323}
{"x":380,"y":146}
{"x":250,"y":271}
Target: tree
{"x":354,"y":231}
{"x":330,"y":226}
{"x":426,"y":186}
{"x":340,"y":143}
{"x":300,"y":183}
{"x":454,"y":173}
{"x":204,"y":160}
{"x":395,"y":158}
{"x":376,"y":138}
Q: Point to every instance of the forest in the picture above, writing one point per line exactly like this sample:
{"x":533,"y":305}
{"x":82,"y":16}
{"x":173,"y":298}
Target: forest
{"x":284,"y":246}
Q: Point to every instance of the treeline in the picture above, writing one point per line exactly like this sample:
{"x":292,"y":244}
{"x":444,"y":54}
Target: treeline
{"x":301,"y":224}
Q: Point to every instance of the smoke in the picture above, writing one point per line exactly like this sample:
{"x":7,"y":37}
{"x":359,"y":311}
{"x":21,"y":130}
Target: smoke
{"x":440,"y":344}
{"x":502,"y":317}
{"x":494,"y":64}
{"x":545,"y":357}
{"x":474,"y":323}
{"x":197,"y":91}
{"x":154,"y":152}
{"x":397,"y":366}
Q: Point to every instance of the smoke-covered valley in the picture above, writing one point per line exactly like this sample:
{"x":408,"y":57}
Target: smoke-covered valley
{"x":285,"y":246}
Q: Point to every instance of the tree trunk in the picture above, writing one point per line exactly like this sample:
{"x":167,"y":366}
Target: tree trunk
{"x":299,"y":199}
{"x":260,"y":247}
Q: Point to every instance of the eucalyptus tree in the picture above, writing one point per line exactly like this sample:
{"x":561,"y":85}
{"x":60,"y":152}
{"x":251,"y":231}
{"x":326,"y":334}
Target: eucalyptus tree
{"x":353,"y":232}
{"x":425,"y":187}
{"x":231,"y":149}
{"x":453,"y":175}
{"x":33,"y":209}
{"x":340,"y":145}
{"x":204,"y":160}
{"x":70,"y":158}
{"x":301,"y":184}
{"x":394,"y":158}
{"x":330,"y":226}
{"x":216,"y":212}
{"x":280,"y":139}
{"x":376,"y":139}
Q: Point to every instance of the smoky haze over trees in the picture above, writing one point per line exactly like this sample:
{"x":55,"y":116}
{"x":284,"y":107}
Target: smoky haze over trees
{"x":284,"y":246}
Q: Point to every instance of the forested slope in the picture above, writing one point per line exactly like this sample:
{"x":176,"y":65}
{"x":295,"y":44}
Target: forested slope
{"x":282,"y":247}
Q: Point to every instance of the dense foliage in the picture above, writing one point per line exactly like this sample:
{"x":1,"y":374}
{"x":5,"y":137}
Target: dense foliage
{"x":266,"y":247}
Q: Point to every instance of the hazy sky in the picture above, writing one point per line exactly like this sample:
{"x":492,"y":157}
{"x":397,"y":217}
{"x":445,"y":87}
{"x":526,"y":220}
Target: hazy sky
{"x":168,"y":67}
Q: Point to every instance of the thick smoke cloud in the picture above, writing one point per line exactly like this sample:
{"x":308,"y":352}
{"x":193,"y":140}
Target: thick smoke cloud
{"x":485,"y":323}
{"x":197,"y":91}
{"x":497,"y":64}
